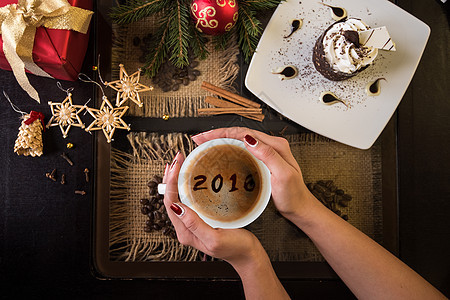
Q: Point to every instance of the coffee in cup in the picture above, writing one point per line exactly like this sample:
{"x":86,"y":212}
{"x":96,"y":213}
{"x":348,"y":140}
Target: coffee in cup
{"x":224,"y":183}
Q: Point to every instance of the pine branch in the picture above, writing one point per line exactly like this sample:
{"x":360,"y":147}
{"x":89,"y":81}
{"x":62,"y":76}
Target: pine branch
{"x":260,"y":4}
{"x":221,"y":41}
{"x":198,"y":43}
{"x":249,"y":30}
{"x":178,"y":33}
{"x":135,"y":10}
{"x":159,"y":49}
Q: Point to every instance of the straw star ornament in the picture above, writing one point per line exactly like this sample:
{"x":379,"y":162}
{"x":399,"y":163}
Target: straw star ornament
{"x":65,"y":115}
{"x":107,"y":119}
{"x":128,"y":87}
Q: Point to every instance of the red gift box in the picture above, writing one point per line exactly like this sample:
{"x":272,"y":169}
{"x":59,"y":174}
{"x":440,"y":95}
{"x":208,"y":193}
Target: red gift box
{"x":58,"y":52}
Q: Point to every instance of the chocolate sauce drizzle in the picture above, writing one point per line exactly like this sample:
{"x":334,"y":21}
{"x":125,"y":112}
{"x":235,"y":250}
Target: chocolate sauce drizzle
{"x":329,"y":98}
{"x":295,"y":25}
{"x":288,"y":72}
{"x":337,"y":13}
{"x":373,"y":88}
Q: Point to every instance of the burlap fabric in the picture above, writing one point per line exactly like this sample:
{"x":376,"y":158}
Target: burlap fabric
{"x":358,"y":172}
{"x":220,"y":68}
{"x":129,"y":176}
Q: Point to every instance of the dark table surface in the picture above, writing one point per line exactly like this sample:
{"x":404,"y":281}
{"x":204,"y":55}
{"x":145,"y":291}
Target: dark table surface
{"x":45,"y":229}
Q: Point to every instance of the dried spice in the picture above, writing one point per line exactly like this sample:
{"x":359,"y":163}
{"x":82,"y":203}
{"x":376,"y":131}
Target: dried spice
{"x":332,"y":197}
{"x":154,"y":209}
{"x":86,"y":173}
{"x":66,"y":158}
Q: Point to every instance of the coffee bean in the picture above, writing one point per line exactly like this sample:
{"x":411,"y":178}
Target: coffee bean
{"x":175,"y":87}
{"x":155,"y":80}
{"x":343,"y":203}
{"x":166,"y":89}
{"x":156,"y":215}
{"x":152,"y":184}
{"x":152,"y":192}
{"x":156,"y":227}
{"x":144,"y":210}
{"x":310,"y":186}
{"x":194,"y":64}
{"x":347,"y":197}
{"x":153,"y":200}
{"x":185,"y":81}
{"x":196,"y":72}
{"x":144,"y":201}
{"x":173,"y":234}
{"x":148,"y":223}
{"x":150,"y":216}
{"x":338,"y":212}
{"x":166,"y":231}
{"x":179,"y":81}
{"x":147,"y":229}
{"x":192,"y":77}
{"x":136,"y":41}
{"x":327,"y":194}
{"x":160,"y":200}
{"x":339,"y":192}
{"x":164,"y":217}
{"x":319,"y":188}
{"x":322,"y":183}
{"x":345,"y":217}
{"x":157,"y":205}
{"x":329,"y":199}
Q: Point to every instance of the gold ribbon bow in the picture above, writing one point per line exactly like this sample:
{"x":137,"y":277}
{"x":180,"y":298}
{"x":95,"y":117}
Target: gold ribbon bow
{"x":18,"y":27}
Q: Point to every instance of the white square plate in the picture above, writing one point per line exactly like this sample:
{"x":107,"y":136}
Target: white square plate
{"x":299,"y":99}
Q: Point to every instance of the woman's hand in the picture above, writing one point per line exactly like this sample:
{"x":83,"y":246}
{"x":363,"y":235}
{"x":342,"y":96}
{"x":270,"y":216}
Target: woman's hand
{"x":239,"y":247}
{"x":236,"y":246}
{"x":290,"y":194}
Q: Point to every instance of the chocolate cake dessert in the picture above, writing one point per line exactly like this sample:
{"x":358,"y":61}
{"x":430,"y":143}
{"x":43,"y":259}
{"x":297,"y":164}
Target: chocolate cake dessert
{"x":338,"y":55}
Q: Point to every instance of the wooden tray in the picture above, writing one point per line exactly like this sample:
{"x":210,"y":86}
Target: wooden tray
{"x":103,"y":267}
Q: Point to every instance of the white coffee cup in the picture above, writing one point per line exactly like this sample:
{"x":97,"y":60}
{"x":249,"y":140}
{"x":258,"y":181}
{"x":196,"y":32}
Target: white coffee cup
{"x":184,"y":193}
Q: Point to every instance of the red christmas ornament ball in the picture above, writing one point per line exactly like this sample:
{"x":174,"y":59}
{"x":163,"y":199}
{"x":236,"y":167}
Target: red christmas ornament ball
{"x":214,"y":17}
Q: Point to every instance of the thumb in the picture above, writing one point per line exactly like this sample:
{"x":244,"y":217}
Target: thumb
{"x":191,"y":221}
{"x":276,"y":164}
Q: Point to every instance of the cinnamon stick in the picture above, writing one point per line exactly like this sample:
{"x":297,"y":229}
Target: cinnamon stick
{"x":228,"y":110}
{"x":222,"y":103}
{"x":229,"y":95}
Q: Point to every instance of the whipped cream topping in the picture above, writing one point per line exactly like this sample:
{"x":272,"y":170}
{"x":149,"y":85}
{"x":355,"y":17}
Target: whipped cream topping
{"x":342,"y":54}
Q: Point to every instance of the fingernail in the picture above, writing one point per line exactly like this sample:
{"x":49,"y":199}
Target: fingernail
{"x":250,"y":140}
{"x":174,"y":162}
{"x":165,"y":169}
{"x":172,"y":165}
{"x":177,"y":209}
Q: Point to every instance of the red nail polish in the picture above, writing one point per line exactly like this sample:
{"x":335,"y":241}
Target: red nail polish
{"x":177,"y":209}
{"x":172,"y":165}
{"x":250,"y":140}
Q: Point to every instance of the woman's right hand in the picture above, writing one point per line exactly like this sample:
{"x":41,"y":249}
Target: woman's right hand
{"x":290,"y":194}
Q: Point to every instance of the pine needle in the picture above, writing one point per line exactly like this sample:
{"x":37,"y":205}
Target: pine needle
{"x":135,"y":10}
{"x":177,"y":33}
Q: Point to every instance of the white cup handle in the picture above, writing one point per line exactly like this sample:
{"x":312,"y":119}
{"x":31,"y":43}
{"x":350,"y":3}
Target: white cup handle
{"x":161,"y":188}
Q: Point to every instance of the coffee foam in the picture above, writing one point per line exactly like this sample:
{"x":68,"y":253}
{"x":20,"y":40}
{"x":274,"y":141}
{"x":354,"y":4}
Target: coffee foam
{"x":223,"y":183}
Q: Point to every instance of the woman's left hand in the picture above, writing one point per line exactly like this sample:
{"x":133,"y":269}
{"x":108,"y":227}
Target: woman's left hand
{"x":236,"y":246}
